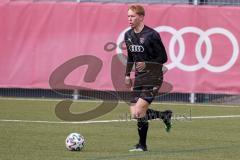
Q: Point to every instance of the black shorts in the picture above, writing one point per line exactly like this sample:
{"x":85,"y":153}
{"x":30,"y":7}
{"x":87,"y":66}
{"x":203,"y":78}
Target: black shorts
{"x":146,"y":86}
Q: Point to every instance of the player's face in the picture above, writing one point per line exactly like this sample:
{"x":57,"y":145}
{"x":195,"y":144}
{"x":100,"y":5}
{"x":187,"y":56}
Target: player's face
{"x":134,"y":19}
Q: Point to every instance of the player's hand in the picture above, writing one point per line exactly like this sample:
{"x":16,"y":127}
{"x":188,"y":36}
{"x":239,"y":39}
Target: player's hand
{"x":128,"y":82}
{"x":140,"y":66}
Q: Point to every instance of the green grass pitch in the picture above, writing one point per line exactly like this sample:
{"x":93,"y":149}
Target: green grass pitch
{"x":190,"y":139}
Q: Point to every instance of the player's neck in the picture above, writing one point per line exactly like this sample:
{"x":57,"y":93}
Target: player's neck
{"x":139,"y":28}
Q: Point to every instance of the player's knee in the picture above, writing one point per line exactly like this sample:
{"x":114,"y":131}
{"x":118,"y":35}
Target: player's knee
{"x":139,"y":113}
{"x":138,"y":110}
{"x":135,"y":114}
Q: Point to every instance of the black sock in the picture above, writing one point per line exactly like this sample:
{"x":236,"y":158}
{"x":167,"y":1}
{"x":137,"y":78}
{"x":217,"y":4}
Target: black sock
{"x":153,"y":114}
{"x":142,"y":131}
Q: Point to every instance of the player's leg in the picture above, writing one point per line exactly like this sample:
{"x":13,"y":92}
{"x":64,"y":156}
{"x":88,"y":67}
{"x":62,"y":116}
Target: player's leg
{"x":165,"y":116}
{"x":138,"y":110}
{"x":148,"y":94}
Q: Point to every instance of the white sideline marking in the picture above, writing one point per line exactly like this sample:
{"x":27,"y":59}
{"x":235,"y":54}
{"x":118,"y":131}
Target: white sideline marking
{"x":59,"y":122}
{"x":108,"y":121}
{"x":210,"y":117}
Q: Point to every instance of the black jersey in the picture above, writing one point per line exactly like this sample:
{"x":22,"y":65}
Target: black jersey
{"x":145,"y":46}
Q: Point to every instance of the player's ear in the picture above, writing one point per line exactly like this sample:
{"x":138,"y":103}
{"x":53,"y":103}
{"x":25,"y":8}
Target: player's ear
{"x":141,"y":17}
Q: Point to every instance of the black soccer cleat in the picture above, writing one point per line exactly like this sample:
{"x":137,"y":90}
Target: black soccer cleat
{"x":139,"y":148}
{"x":166,"y":117}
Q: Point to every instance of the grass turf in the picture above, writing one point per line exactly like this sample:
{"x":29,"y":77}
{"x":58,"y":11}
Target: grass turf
{"x":215,"y":139}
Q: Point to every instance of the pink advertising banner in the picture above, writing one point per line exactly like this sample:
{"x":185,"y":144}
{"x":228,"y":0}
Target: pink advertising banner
{"x":82,"y":42}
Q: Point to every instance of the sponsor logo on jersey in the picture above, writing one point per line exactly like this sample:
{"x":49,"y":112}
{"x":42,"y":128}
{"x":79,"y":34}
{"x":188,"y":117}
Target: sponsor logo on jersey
{"x":136,"y":48}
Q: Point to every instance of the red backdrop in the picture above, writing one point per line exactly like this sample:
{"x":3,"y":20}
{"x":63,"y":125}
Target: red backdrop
{"x":36,"y":38}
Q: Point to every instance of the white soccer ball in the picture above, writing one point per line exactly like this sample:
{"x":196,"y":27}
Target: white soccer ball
{"x":75,"y":142}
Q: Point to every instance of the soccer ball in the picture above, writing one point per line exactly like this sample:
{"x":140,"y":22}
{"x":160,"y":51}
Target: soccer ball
{"x":75,"y":142}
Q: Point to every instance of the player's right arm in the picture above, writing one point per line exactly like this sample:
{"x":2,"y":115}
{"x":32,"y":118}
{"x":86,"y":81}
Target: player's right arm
{"x":130,"y":62}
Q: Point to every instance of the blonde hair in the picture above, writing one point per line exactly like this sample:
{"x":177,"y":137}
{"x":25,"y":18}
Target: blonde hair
{"x":138,"y":9}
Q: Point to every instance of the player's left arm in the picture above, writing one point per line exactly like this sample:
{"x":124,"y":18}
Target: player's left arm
{"x":159,"y":52}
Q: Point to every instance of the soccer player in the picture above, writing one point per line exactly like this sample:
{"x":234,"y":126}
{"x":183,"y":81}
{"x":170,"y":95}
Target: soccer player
{"x":147,"y":52}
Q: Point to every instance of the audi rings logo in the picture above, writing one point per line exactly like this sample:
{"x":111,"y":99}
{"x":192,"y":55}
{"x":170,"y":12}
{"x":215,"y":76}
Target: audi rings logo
{"x":202,"y":58}
{"x":136,"y":48}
